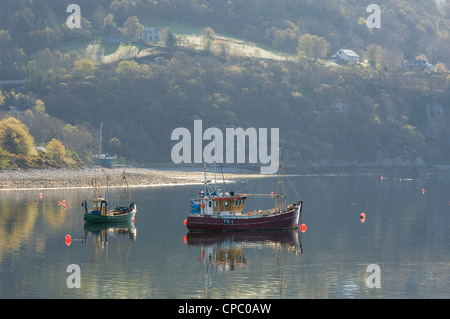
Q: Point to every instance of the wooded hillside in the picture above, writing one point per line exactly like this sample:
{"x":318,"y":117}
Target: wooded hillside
{"x":371,"y":112}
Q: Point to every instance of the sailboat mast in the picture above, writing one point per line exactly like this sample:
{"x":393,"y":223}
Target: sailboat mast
{"x":100,"y":141}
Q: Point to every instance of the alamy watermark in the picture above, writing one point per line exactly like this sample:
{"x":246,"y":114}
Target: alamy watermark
{"x":374,"y":279}
{"x":374,"y":20}
{"x":74,"y":279}
{"x":214,"y":151}
{"x":73,"y":20}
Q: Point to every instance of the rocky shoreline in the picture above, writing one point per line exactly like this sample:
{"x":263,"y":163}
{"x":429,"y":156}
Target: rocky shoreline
{"x":161,"y":176}
{"x":81,"y":178}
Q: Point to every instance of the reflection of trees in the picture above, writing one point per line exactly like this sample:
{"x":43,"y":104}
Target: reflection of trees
{"x":17,"y":223}
{"x":19,"y":213}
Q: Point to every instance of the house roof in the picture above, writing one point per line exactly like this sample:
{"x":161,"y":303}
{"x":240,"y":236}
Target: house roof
{"x":416,"y":63}
{"x":348,"y":52}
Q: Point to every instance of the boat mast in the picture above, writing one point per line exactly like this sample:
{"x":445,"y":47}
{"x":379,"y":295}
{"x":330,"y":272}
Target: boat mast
{"x":278,"y":186}
{"x":204,"y":178}
{"x":280,"y":181}
{"x":100,"y":142}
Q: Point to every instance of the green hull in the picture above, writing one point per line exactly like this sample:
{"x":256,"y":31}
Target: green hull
{"x":94,"y":218}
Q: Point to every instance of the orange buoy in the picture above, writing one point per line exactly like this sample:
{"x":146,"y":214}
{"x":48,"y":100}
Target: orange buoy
{"x":302,"y":228}
{"x":185,"y":222}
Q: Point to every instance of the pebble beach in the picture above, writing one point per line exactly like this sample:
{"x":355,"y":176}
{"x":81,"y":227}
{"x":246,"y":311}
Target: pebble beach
{"x":81,"y":178}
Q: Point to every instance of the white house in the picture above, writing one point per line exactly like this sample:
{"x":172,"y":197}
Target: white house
{"x":345,"y":55}
{"x":149,"y":35}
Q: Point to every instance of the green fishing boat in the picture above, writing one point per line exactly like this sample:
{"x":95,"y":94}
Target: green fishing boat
{"x":102,"y":213}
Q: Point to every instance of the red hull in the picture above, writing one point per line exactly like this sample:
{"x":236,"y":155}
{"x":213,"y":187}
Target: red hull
{"x":287,"y":220}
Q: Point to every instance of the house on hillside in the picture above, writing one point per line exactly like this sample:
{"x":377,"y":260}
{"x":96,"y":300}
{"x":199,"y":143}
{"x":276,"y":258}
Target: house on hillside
{"x":115,"y":36}
{"x":418,"y":65}
{"x":345,"y":55}
{"x":148,"y":35}
{"x":16,"y":112}
{"x":11,"y":84}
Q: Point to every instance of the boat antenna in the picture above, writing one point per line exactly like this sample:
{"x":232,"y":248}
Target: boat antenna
{"x":204,"y":176}
{"x":223,"y":178}
{"x":215,"y":171}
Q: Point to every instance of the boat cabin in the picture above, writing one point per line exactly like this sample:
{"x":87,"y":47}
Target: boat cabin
{"x":100,"y":206}
{"x":219,"y":204}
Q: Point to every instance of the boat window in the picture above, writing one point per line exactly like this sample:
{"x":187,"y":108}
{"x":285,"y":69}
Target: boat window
{"x":226,"y":203}
{"x":210,"y":204}
{"x":216,"y":203}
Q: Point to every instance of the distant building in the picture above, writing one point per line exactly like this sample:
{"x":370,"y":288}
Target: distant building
{"x":115,"y":36}
{"x":345,"y":55}
{"x":148,"y":35}
{"x":418,"y":65}
{"x":16,"y":111}
{"x":11,"y":84}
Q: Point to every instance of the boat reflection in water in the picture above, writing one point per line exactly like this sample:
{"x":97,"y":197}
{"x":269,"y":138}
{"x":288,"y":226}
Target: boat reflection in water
{"x":103,"y":233}
{"x":224,"y":251}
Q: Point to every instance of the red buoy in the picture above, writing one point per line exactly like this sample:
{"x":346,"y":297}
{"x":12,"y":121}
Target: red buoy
{"x":362,"y":217}
{"x":68,"y":240}
{"x":302,"y":228}
{"x":185,"y":222}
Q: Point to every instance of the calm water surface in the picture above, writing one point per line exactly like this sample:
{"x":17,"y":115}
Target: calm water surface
{"x":406,"y":233}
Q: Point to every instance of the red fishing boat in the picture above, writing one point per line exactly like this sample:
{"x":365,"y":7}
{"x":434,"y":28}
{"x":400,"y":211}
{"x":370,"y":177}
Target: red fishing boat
{"x":216,"y":211}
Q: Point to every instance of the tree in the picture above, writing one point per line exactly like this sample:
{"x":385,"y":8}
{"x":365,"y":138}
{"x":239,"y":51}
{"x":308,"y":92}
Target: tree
{"x":108,"y":23}
{"x":131,"y":70}
{"x":374,"y":54}
{"x":14,"y":137}
{"x":284,"y":39}
{"x":56,"y":150}
{"x":208,"y":37}
{"x":132,"y":27}
{"x":84,"y":67}
{"x":168,"y":37}
{"x":114,"y":144}
{"x":312,"y":46}
{"x":2,"y":99}
{"x":39,"y":106}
